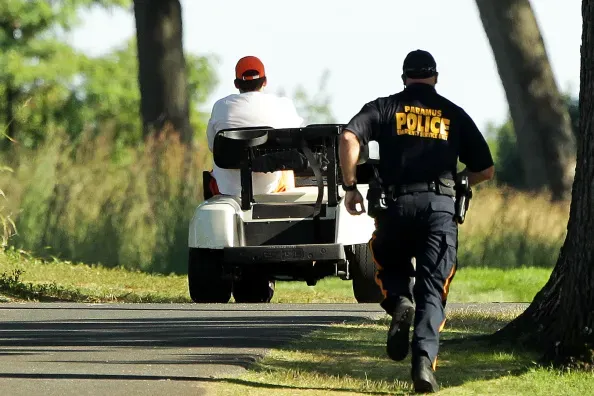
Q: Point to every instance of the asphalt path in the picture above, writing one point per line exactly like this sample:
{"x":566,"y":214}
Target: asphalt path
{"x":65,"y":349}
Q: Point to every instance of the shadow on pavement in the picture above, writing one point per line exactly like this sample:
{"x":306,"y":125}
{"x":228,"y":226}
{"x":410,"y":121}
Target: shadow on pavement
{"x":236,"y":341}
{"x":222,"y":334}
{"x":236,"y":332}
{"x":227,"y":336}
{"x":231,"y":308}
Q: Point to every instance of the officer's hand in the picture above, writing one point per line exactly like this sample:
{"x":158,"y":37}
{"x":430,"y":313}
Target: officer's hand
{"x":351,"y":199}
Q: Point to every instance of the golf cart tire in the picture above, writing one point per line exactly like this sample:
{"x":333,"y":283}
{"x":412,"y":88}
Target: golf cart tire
{"x":253,"y":289}
{"x":206,"y":282}
{"x":365,"y":288}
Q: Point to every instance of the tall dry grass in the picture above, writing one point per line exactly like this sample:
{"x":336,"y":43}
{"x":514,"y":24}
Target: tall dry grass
{"x":505,"y":229}
{"x":98,"y":203}
{"x":7,"y":225}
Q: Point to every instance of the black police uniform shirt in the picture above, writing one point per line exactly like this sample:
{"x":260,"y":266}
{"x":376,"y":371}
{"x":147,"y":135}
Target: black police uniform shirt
{"x":421,"y":136}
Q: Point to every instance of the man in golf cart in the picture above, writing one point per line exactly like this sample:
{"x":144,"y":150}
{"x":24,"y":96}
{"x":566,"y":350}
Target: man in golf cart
{"x":251,"y":107}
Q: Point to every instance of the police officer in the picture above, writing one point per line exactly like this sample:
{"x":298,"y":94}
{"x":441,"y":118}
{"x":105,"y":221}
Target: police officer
{"x":421,"y":136}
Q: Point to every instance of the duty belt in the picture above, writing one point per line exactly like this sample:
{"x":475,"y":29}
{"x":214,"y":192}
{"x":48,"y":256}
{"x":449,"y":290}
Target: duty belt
{"x":443,"y":187}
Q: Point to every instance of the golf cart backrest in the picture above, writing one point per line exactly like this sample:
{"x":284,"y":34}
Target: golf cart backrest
{"x":232,"y":147}
{"x":305,"y":150}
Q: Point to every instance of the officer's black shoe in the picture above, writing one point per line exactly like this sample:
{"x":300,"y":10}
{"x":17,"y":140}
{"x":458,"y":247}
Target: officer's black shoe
{"x":423,"y":376}
{"x":402,"y":318}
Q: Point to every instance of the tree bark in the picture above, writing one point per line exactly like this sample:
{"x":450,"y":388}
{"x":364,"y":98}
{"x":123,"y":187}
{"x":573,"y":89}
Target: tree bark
{"x":560,"y":320}
{"x":540,"y":117}
{"x":162,"y":66}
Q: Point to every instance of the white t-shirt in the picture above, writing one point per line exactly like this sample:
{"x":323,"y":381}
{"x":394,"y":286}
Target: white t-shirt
{"x":250,"y":109}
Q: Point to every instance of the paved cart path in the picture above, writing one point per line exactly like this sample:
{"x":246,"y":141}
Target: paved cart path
{"x":65,"y":349}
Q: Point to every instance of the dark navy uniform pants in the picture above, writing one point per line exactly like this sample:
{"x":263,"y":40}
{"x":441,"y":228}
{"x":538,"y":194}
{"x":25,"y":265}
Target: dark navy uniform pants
{"x":419,"y":225}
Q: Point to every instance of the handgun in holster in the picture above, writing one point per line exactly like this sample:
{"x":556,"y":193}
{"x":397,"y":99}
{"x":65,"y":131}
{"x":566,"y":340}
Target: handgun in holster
{"x":376,"y":197}
{"x":463,"y":197}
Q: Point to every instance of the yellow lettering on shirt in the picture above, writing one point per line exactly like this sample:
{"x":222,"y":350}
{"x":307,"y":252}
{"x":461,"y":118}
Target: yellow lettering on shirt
{"x":400,"y":120}
{"x":411,"y":121}
{"x":422,"y":122}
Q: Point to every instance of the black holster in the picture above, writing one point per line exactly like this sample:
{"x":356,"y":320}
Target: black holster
{"x":463,"y":197}
{"x":376,"y":196}
{"x":376,"y":200}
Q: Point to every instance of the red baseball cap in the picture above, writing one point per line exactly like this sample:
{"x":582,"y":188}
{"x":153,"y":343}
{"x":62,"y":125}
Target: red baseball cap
{"x":249,"y":63}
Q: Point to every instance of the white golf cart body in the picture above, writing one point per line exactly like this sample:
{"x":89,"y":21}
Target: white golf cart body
{"x":218,"y":221}
{"x":240,"y":244}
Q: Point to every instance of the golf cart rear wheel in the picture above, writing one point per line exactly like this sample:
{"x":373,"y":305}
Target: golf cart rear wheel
{"x":253,"y":289}
{"x":206,"y":282}
{"x":365,"y":288}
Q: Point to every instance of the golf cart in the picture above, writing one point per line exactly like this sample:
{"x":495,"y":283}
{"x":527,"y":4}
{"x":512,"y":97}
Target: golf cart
{"x":240,"y":245}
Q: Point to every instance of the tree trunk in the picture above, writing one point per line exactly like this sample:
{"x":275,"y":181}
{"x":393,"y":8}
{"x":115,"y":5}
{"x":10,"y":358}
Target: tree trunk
{"x":162,"y":66}
{"x":540,"y":117}
{"x":560,"y":320}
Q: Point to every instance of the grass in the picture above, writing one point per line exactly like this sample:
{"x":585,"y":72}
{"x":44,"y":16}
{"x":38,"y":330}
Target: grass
{"x":25,"y":277}
{"x":343,"y":359}
{"x":350,"y":359}
{"x":469,"y":285}
{"x":508,"y":229}
{"x":97,"y":203}
{"x":94,"y":202}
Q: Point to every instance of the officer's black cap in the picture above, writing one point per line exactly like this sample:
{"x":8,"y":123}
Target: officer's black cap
{"x":419,"y":64}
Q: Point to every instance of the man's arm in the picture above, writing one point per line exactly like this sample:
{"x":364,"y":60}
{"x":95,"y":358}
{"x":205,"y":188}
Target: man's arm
{"x":210,"y":133}
{"x":211,"y":128}
{"x":348,"y":153}
{"x":478,"y":177}
{"x":359,"y":131}
{"x":475,"y":153}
